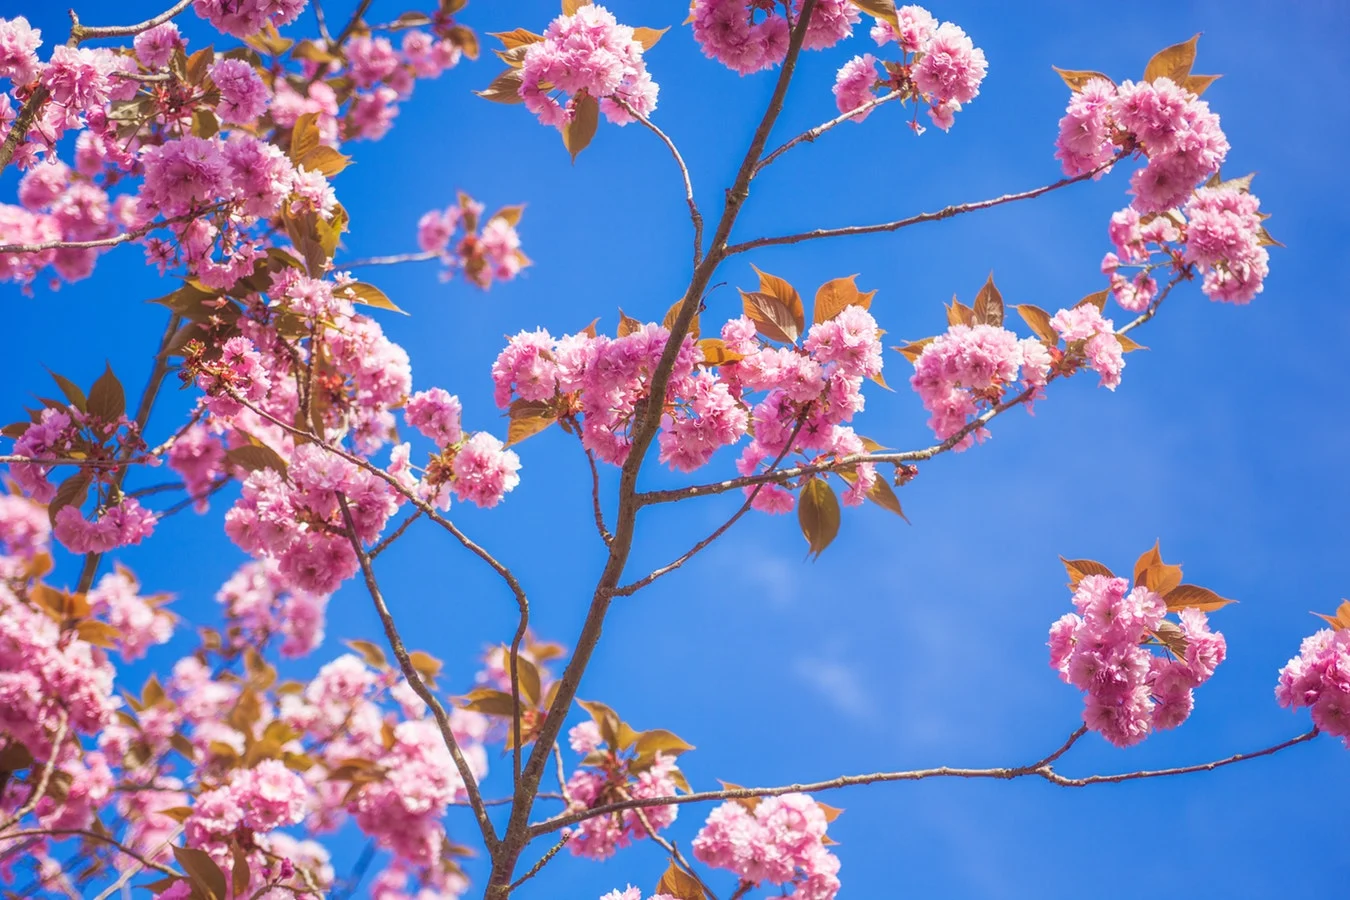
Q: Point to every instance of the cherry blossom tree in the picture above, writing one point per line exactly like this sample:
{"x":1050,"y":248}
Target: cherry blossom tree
{"x":218,"y":777}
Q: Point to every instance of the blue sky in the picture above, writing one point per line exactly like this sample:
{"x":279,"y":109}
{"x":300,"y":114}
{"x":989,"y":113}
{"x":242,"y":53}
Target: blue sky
{"x":904,"y":645}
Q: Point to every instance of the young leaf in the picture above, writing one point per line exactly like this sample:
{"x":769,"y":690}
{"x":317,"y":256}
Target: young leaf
{"x":1190,"y":596}
{"x":72,"y":492}
{"x":772,"y":318}
{"x":989,"y":304}
{"x":914,"y":349}
{"x":1097,"y":299}
{"x":1198,"y":84}
{"x":1039,"y":321}
{"x":371,"y":653}
{"x":818,"y":515}
{"x":1338,"y":621}
{"x":835,"y":296}
{"x":505,"y":88}
{"x":1077,"y":79}
{"x":658,"y":739}
{"x":570,"y":7}
{"x":203,"y":872}
{"x":518,"y":37}
{"x":1151,"y":572}
{"x":668,"y":321}
{"x":531,"y":687}
{"x":305,"y":136}
{"x":627,"y":324}
{"x":831,"y":812}
{"x":1170,"y":635}
{"x":786,"y":294}
{"x":1174,"y":62}
{"x":1079,"y":569}
{"x":960,"y":314}
{"x":253,"y":457}
{"x":882,"y":495}
{"x":648,"y":37}
{"x":714,"y":350}
{"x":679,"y":884}
{"x":488,"y":701}
{"x":107,"y":400}
{"x":879,"y":9}
{"x":577,"y":133}
{"x":70,"y":389}
{"x":528,"y":418}
{"x":607,"y":719}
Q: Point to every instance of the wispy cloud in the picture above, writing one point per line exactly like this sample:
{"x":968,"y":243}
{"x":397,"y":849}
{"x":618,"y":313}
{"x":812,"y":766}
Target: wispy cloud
{"x":838,"y":683}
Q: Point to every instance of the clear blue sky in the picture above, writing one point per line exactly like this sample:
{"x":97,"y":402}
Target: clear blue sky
{"x":904,"y":645}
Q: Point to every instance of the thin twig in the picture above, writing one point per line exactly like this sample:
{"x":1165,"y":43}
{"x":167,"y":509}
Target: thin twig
{"x":946,"y":212}
{"x":884,"y":458}
{"x":1040,"y":770}
{"x":389,"y":260}
{"x":132,"y":870}
{"x":94,"y":836}
{"x":812,"y":134}
{"x":415,"y":679}
{"x":158,"y":370}
{"x":694,"y":215}
{"x":670,"y":847}
{"x":595,"y":487}
{"x":395,"y":534}
{"x":543,"y":861}
{"x":638,"y":585}
{"x":44,"y":775}
{"x":123,"y":238}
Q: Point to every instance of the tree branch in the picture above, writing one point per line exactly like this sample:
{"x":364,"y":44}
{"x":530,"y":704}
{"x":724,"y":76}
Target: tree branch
{"x":638,"y":585}
{"x":946,"y":212}
{"x":415,"y":680}
{"x":694,"y":215}
{"x":1039,"y":769}
{"x":32,"y":107}
{"x":812,"y":134}
{"x":44,"y":775}
{"x":93,"y":836}
{"x":647,"y":421}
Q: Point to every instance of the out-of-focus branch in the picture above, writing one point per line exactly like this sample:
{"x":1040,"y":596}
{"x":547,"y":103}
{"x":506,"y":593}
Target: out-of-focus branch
{"x":423,"y":256}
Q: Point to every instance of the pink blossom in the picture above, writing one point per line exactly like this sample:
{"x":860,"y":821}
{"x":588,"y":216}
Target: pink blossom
{"x":18,"y":50}
{"x":854,"y":84}
{"x":243,"y":18}
{"x":139,"y":621}
{"x":1223,"y":238}
{"x":436,"y":414}
{"x":779,"y":841}
{"x":1319,"y":678}
{"x":1101,"y":349}
{"x":1085,"y":130}
{"x":243,"y":96}
{"x":485,"y":471}
{"x":588,"y":52}
{"x":156,"y":46}
{"x":951,"y":67}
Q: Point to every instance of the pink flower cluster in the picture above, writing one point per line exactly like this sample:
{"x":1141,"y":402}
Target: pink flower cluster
{"x":199,"y":459}
{"x":18,"y":50}
{"x":1131,"y":691}
{"x":1100,"y":349}
{"x":1223,"y":238}
{"x":944,"y":71}
{"x":297,"y":521}
{"x":404,"y":808}
{"x":259,"y":601}
{"x":632,"y":893}
{"x":971,"y":366}
{"x":24,"y":529}
{"x":809,"y":392}
{"x":43,"y":672}
{"x":1173,"y":127}
{"x":57,"y":205}
{"x":243,"y":18}
{"x":780,"y":840}
{"x":261,"y":799}
{"x":1319,"y":678}
{"x":484,"y":255}
{"x":748,"y":36}
{"x":140,"y":621}
{"x":588,"y":53}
